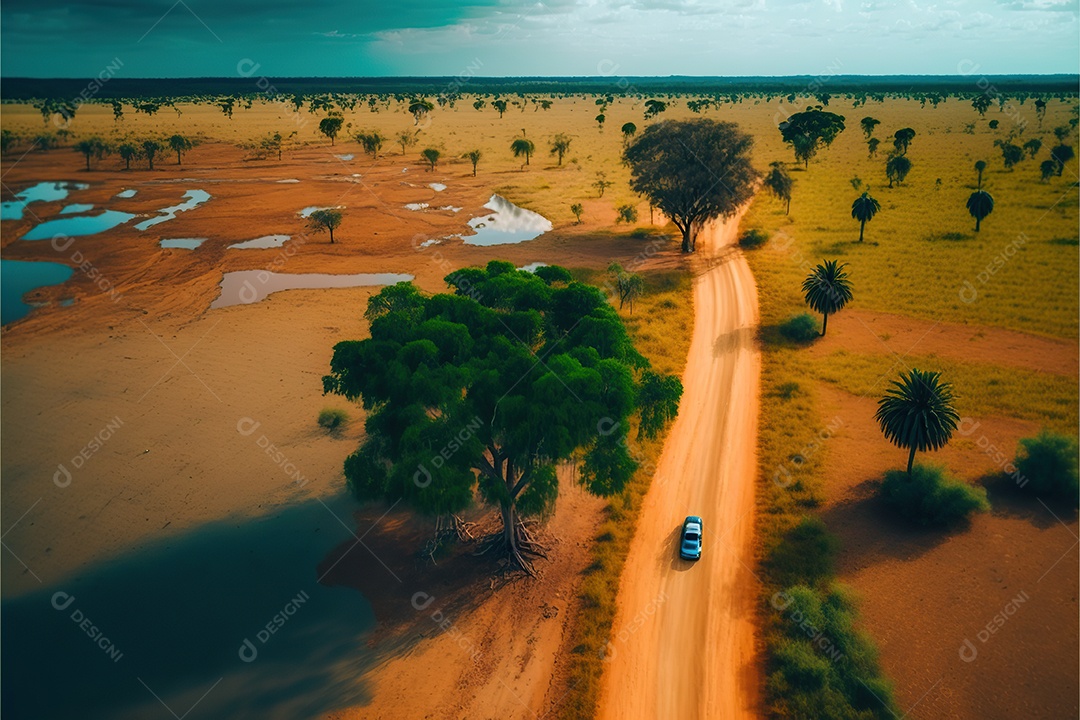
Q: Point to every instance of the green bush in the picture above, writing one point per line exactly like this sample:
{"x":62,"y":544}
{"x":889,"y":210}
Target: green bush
{"x":1048,"y":462}
{"x":805,"y":554}
{"x":931,"y":497}
{"x":801,"y":328}
{"x":821,"y":666}
{"x":333,"y":418}
{"x":752,"y":239}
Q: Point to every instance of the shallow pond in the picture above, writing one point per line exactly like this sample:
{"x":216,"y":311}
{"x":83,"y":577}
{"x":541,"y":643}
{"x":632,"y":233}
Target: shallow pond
{"x":182,"y":243}
{"x":306,"y":212}
{"x":42,"y":192}
{"x":346,"y":158}
{"x":248,"y":286}
{"x":18,"y":277}
{"x":266,"y":241}
{"x":437,"y":187}
{"x":228,"y":616}
{"x":79,"y":225}
{"x":507,"y":224}
{"x":126,"y":193}
{"x":194,"y":199}
{"x":76,"y":209}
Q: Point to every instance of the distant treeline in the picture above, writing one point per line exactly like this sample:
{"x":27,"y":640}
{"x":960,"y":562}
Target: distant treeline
{"x":15,"y":89}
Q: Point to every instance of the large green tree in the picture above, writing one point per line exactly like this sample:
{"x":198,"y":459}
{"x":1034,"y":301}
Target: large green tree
{"x":917,"y":413}
{"x":331,"y":126}
{"x":485,"y":390}
{"x":809,"y":130}
{"x":693,"y":171}
{"x":827,"y":289}
{"x":864,"y":209}
{"x":179,"y":145}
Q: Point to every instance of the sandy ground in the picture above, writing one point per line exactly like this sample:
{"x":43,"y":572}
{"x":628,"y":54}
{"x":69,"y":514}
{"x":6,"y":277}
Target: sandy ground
{"x":683,"y":641}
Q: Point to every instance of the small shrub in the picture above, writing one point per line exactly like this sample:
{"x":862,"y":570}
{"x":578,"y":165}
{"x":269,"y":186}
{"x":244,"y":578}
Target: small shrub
{"x":805,"y":555}
{"x":627,"y":214}
{"x":1065,"y":241}
{"x":802,"y":328}
{"x":333,"y":418}
{"x":930,"y":497}
{"x":752,"y":239}
{"x":786,"y":391}
{"x":1049,"y":463}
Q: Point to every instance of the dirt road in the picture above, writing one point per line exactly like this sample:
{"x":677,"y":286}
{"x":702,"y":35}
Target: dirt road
{"x":683,"y":642}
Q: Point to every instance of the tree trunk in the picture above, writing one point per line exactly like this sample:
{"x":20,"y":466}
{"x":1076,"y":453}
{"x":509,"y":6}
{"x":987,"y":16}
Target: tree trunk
{"x":910,"y":461}
{"x":862,"y":226}
{"x":977,"y":221}
{"x":787,"y":211}
{"x":824,"y":324}
{"x":686,"y":238}
{"x":510,"y":521}
{"x":87,"y":163}
{"x":331,"y":235}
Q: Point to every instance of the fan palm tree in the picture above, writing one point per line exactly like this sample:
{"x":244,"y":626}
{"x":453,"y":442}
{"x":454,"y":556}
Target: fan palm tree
{"x":827,"y":289}
{"x":980,"y":165}
{"x":917,"y":413}
{"x":864,"y":209}
{"x":779,"y":183}
{"x":980,"y":204}
{"x":520,"y":147}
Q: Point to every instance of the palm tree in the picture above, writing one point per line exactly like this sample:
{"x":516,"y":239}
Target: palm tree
{"x":827,"y":289}
{"x":431,"y":157}
{"x":980,"y":165}
{"x":520,"y":147}
{"x":473,"y":157}
{"x":980,"y":204}
{"x":179,"y":145}
{"x":897,"y":168}
{"x":917,"y":413}
{"x":779,"y":183}
{"x":864,"y":209}
{"x":559,"y":145}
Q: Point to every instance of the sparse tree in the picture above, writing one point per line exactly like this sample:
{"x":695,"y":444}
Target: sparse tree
{"x":273,"y":144}
{"x":601,"y":183}
{"x":779,"y":183}
{"x":406,"y":139}
{"x":372,"y":142}
{"x":1061,"y":155}
{"x":331,"y":126}
{"x":150,"y":149}
{"x":577,"y":209}
{"x":677,"y":166}
{"x":827,"y":290}
{"x":522,"y":148}
{"x":980,"y":204}
{"x":499,"y":105}
{"x":872,"y":146}
{"x":628,"y":286}
{"x":897,"y":168}
{"x":179,"y":145}
{"x":1010,"y":154}
{"x":600,"y":120}
{"x":626,"y":214}
{"x":431,"y":157}
{"x":1048,"y":168}
{"x":127,"y":152}
{"x":560,"y":144}
{"x":980,"y":166}
{"x":419,"y":109}
{"x":328,"y":219}
{"x":864,"y":209}
{"x":807,"y":131}
{"x":917,"y":413}
{"x":654,"y":108}
{"x":474,"y":157}
{"x":902,"y":139}
{"x":868,"y":124}
{"x":92,"y":148}
{"x":981,"y":103}
{"x":1033,"y":146}
{"x":628,"y":131}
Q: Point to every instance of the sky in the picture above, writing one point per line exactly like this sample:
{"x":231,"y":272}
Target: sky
{"x":278,"y":38}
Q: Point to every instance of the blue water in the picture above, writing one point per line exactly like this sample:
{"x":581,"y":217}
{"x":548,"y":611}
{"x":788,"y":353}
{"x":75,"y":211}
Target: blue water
{"x":182,"y":243}
{"x":18,"y":277}
{"x":194,"y":199}
{"x":79,"y":225}
{"x":177,"y":612}
{"x":126,"y":193}
{"x":42,"y":192}
{"x":76,"y":208}
{"x":508,"y":223}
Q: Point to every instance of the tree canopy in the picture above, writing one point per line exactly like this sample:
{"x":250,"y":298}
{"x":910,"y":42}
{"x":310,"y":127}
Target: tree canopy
{"x":917,"y":413}
{"x":325,"y":219}
{"x":485,"y":390}
{"x":692,"y":170}
{"x":807,"y":131}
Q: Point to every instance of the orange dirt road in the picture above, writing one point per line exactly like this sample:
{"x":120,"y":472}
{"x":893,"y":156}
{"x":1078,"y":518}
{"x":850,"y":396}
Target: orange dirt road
{"x":682,"y":646}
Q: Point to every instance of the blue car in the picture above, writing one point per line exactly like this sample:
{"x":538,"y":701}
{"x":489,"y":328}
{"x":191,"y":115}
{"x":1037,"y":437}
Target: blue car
{"x":690,"y":542}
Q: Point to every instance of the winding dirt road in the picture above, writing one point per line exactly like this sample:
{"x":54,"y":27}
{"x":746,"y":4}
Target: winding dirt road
{"x":682,"y":646}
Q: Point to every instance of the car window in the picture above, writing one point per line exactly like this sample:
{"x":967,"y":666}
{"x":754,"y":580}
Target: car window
{"x":691,"y":536}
